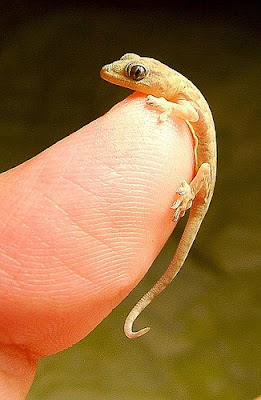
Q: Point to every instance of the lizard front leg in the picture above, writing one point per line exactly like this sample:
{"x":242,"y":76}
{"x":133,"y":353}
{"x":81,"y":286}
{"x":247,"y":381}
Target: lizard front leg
{"x":181,"y":108}
{"x":199,"y":186}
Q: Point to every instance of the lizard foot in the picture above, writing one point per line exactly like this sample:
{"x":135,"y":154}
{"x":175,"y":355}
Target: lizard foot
{"x":182,"y":204}
{"x":161,"y":104}
{"x":158,"y":102}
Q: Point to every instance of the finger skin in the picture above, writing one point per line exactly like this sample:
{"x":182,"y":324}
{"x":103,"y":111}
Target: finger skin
{"x":81,"y":223}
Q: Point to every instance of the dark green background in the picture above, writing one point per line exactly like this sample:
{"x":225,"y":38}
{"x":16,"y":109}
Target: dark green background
{"x":206,"y":336}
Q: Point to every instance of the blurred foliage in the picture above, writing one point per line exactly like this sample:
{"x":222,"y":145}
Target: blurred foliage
{"x":205,"y":341}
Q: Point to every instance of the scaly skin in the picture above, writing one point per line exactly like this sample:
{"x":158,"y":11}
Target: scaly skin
{"x":173,"y":94}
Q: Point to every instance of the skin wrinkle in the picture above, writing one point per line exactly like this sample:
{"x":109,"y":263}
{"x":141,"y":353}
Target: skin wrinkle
{"x":32,"y":182}
{"x":88,"y":234}
{"x":141,"y":158}
{"x":15,"y":209}
{"x":10,"y":283}
{"x":22,"y":355}
{"x":7,"y":275}
{"x":123,"y":183}
{"x":144,"y":184}
{"x":12,"y":205}
{"x":13,"y":260}
{"x":54,"y":256}
{"x":56,"y":205}
{"x":20,"y":222}
{"x":11,"y":343}
{"x":69,"y":217}
{"x":23,"y":223}
{"x":90,"y":192}
{"x":102,"y":225}
{"x":46,"y":163}
{"x":140,"y":166}
{"x":72,"y":270}
{"x":40,"y":289}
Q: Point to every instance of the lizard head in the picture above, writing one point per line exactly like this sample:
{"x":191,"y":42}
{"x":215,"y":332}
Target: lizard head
{"x":142,"y":74}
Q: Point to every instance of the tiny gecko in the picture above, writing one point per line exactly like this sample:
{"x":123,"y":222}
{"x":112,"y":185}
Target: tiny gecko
{"x":171,"y":93}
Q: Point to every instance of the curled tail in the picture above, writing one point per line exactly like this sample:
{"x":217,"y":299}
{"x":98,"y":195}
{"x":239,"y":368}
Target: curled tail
{"x":196,"y":216}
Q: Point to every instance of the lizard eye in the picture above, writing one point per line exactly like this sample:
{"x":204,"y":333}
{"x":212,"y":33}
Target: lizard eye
{"x":136,"y":71}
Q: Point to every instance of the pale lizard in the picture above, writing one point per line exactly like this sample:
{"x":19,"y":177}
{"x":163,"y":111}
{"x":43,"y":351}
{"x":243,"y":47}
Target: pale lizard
{"x":173,"y":94}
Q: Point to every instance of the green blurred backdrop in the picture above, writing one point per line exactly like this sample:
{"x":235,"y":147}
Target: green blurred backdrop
{"x":206,"y":336}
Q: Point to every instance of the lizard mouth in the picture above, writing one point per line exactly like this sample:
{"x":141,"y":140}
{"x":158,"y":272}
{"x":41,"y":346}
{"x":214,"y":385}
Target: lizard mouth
{"x":107,"y":72}
{"x":105,"y":69}
{"x":107,"y":75}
